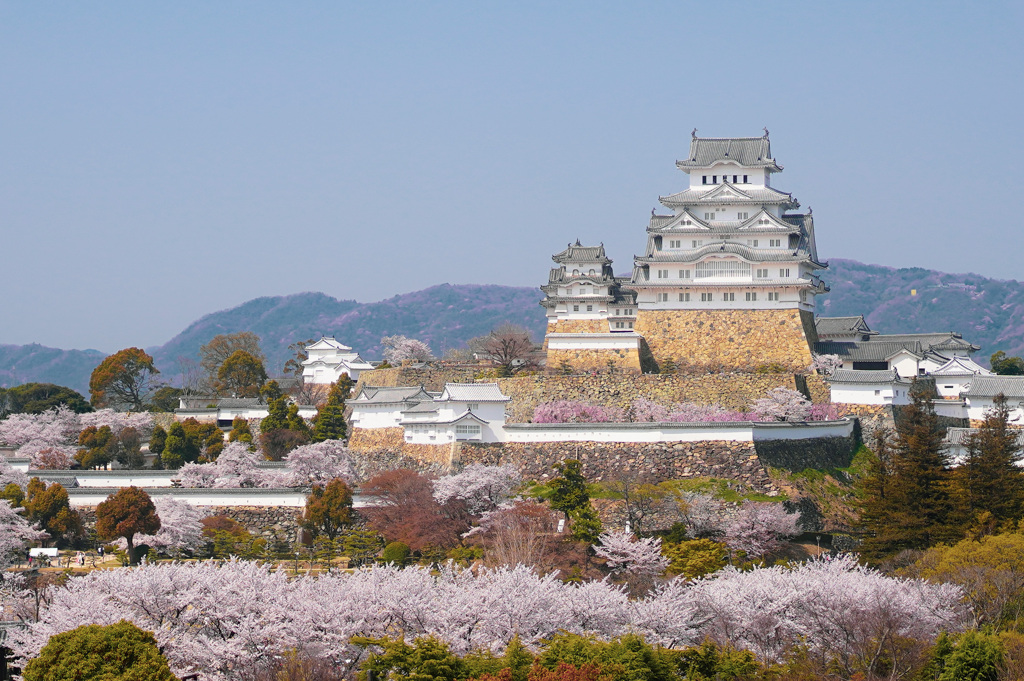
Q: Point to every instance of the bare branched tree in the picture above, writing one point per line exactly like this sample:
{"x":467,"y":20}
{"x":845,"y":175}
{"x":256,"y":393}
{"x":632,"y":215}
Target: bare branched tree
{"x":508,"y":346}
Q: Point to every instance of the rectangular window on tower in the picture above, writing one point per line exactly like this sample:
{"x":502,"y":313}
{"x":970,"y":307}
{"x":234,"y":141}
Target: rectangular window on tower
{"x":590,"y":308}
{"x":762,"y":274}
{"x":714,"y":179}
{"x":784,"y":272}
{"x":751,"y":296}
{"x":744,"y":179}
{"x":709,"y":216}
{"x":697,"y":243}
{"x":773,"y":295}
{"x":662,"y":297}
{"x":734,"y":178}
{"x":675,"y":243}
{"x":742,"y":216}
{"x":705,"y":179}
{"x":575,"y":308}
{"x":684,"y":274}
{"x":684,"y":297}
{"x":729,"y":297}
{"x":705,"y":297}
{"x":775,"y":243}
{"x":752,"y":242}
{"x":662,"y":274}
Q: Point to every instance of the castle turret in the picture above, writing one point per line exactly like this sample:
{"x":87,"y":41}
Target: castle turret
{"x":590,"y":316}
{"x":728,"y":279}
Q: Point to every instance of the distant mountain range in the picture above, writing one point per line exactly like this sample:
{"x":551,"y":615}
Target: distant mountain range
{"x":988,"y":312}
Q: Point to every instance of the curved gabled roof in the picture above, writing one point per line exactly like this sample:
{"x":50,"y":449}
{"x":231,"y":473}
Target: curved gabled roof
{"x":579,"y":253}
{"x":750,"y":152}
{"x":748,"y":253}
{"x":729,"y":194}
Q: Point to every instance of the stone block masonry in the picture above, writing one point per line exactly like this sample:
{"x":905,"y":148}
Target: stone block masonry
{"x":649,"y":461}
{"x":728,"y":340}
{"x":594,"y":359}
{"x":730,"y":390}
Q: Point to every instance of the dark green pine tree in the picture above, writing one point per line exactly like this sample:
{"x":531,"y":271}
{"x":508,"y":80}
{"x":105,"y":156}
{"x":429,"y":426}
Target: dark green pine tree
{"x":908,"y":502}
{"x":277,"y":415}
{"x":330,"y":419}
{"x":988,"y":483}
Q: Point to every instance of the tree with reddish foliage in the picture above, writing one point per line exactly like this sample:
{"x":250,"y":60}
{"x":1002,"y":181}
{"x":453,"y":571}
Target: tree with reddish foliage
{"x":328,"y":509}
{"x":125,"y":378}
{"x":48,"y":506}
{"x":126,"y":513}
{"x":406,"y":511}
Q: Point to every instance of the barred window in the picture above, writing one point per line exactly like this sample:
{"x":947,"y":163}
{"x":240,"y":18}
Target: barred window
{"x":722,"y":268}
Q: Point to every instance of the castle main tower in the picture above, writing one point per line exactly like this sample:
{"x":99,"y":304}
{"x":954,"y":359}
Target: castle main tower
{"x":728,"y":279}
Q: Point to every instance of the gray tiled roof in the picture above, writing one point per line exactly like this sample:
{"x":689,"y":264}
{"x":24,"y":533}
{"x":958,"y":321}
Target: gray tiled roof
{"x":848,"y":376}
{"x":866,"y":351}
{"x":375,"y":395}
{"x":752,"y":152}
{"x":990,"y":386}
{"x":930,"y":341}
{"x":958,"y":436}
{"x":832,"y":326}
{"x":475,"y":392}
{"x":578,"y":253}
{"x":753,"y":196}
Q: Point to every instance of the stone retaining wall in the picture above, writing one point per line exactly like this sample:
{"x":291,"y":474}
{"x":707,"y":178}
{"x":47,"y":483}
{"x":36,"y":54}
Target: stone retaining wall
{"x":730,"y":390}
{"x":595,"y":359}
{"x":264,"y":521}
{"x":730,"y":340}
{"x":607,"y":461}
{"x":361,"y":439}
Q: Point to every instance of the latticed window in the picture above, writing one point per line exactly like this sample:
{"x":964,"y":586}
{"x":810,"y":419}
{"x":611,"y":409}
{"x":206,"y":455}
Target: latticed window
{"x":722,"y":268}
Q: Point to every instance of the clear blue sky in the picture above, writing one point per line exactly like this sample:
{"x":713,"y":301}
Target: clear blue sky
{"x":159,"y":161}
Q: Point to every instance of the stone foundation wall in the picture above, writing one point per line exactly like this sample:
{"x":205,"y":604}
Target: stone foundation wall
{"x":360,"y":439}
{"x":593,"y":359}
{"x":736,"y":340}
{"x":264,"y":521}
{"x":733,"y":391}
{"x":606,"y":461}
{"x":578,"y":326}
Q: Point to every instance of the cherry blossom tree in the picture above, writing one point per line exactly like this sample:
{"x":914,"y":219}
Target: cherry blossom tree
{"x":319,"y":463}
{"x":703,"y":515}
{"x":237,"y":467}
{"x":825,"y":364}
{"x":197,"y":475}
{"x":9,"y":474}
{"x":644,"y":409}
{"x":569,"y":411}
{"x":783,"y":404}
{"x":482,"y":488}
{"x":141,"y":421}
{"x":625,"y":553}
{"x":398,"y":349}
{"x":759,"y":528}
{"x":15,"y":533}
{"x":181,"y":529}
{"x":49,"y":457}
{"x":55,"y":426}
{"x":229,"y":619}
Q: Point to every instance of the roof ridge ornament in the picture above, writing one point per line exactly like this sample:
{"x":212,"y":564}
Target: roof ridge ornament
{"x":765,"y":132}
{"x":694,"y":133}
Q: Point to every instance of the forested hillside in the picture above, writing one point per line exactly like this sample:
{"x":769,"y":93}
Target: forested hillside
{"x":989,"y":312}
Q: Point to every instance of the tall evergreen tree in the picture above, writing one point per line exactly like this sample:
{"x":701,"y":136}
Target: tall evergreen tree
{"x":989,"y":481}
{"x":330,"y":420}
{"x":907,"y":502}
